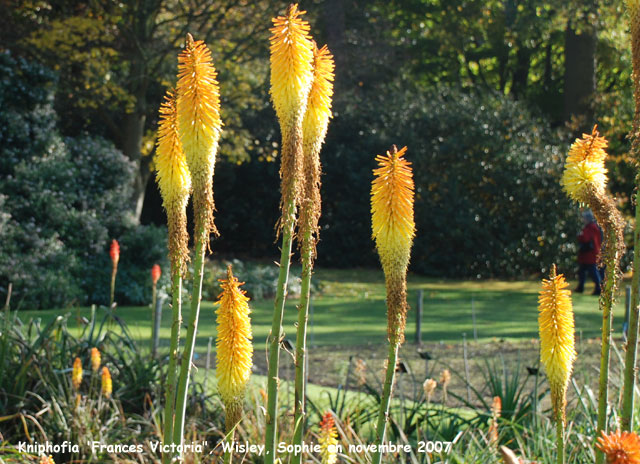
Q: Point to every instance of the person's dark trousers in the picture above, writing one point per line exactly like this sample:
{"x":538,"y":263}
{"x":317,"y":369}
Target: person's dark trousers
{"x":592,"y":269}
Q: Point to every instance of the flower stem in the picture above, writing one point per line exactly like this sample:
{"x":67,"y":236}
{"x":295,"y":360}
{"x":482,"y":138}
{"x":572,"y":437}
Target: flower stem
{"x":154,"y":295}
{"x":626,"y":417}
{"x":114,"y":271}
{"x":606,"y":302}
{"x":192,"y":328}
{"x":170,"y":385}
{"x":560,"y":437}
{"x":383,"y":416}
{"x":277,"y":334}
{"x":301,"y":343}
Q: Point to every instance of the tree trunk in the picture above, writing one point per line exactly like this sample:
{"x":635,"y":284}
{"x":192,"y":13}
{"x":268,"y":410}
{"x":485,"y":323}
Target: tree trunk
{"x":133,"y":131}
{"x":579,"y":76}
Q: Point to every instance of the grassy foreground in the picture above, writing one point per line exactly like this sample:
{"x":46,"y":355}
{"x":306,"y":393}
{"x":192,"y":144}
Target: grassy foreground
{"x":349,"y":309}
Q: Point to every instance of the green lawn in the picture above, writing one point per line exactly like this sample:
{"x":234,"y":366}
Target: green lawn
{"x":349,"y":309}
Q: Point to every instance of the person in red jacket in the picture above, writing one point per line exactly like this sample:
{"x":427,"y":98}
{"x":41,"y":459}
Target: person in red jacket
{"x":590,"y":241}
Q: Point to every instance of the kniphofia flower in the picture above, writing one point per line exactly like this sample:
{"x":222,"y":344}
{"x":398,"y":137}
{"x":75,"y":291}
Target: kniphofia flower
{"x":106,"y":384}
{"x":429,"y":386}
{"x":393,"y":229}
{"x":584,"y":171}
{"x":557,"y":338}
{"x":233,"y":345}
{"x":156,"y":272}
{"x":291,"y":78}
{"x":314,"y":128}
{"x":496,"y":411}
{"x":199,"y":123}
{"x":620,"y":447}
{"x":291,"y":66}
{"x":114,"y":252}
{"x":96,"y":359}
{"x":328,"y":439}
{"x":76,"y":374}
{"x":46,"y":460}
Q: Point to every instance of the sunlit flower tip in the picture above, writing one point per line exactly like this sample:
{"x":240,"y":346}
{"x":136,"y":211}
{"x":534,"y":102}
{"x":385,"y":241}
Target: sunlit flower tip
{"x":557,"y":336}
{"x":156,"y":272}
{"x":106,"y":384}
{"x":172,"y":173}
{"x":114,"y":252}
{"x":46,"y":460}
{"x":584,"y":170}
{"x":233,"y":343}
{"x":291,"y":66}
{"x":198,"y":109}
{"x":96,"y":359}
{"x":328,"y":439}
{"x":429,"y":386}
{"x":392,"y":194}
{"x":620,"y":447}
{"x":76,"y":374}
{"x":445,"y":378}
{"x":316,"y":118}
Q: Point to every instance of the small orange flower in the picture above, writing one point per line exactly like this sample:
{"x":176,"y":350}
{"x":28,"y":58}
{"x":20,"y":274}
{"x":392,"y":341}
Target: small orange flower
{"x":114,"y":252}
{"x":620,"y":447}
{"x":46,"y":460}
{"x":96,"y":359}
{"x":107,"y":386}
{"x":76,"y":374}
{"x":156,"y":272}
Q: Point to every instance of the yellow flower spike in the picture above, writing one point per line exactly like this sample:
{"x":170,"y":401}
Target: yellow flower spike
{"x":174,"y":181}
{"x":328,"y":440}
{"x":291,"y":78}
{"x":291,"y":66}
{"x":393,"y":226}
{"x":314,"y":129}
{"x":76,"y":374}
{"x":584,"y":169}
{"x":199,"y":123}
{"x":233,"y":345}
{"x":106,"y":385}
{"x":557,"y":338}
{"x":96,"y":359}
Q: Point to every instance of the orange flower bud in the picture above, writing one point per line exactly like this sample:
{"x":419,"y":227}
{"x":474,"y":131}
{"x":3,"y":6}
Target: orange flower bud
{"x":156,"y":272}
{"x":114,"y":252}
{"x":107,"y":386}
{"x":96,"y":359}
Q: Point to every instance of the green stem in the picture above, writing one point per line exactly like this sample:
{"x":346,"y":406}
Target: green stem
{"x":383,"y":416}
{"x":301,"y":343}
{"x":192,"y":328}
{"x":153,"y":320}
{"x":276,"y":335}
{"x":560,"y":437}
{"x":626,"y":417}
{"x":113,"y":285}
{"x":170,"y":385}
{"x":606,"y":302}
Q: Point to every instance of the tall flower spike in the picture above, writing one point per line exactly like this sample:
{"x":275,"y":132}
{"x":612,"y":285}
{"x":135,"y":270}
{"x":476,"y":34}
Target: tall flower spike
{"x":199,"y":123}
{"x":174,"y":181}
{"x":393,"y":230}
{"x":114,"y":252}
{"x":620,"y":447}
{"x":328,"y":439}
{"x":96,"y":359}
{"x":633,"y":8}
{"x":76,"y":374}
{"x":106,"y":384}
{"x":314,"y":128}
{"x":291,"y":79}
{"x":584,"y":169}
{"x":557,"y":338}
{"x":233,"y":345}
